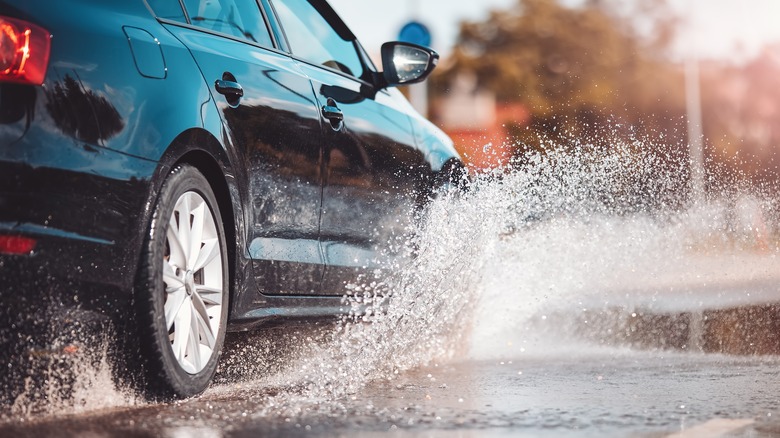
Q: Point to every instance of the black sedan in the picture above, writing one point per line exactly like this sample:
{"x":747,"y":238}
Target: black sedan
{"x":184,"y":168}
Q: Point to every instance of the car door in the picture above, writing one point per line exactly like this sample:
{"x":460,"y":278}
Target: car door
{"x":272,"y":122}
{"x":373,"y":167}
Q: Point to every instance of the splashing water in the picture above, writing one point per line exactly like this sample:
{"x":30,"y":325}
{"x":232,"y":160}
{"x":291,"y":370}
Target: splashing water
{"x":574,"y":227}
{"x":72,"y":377}
{"x":578,"y":226}
{"x":570,"y":228}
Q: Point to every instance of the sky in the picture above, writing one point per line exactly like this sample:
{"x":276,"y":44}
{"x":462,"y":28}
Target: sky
{"x":726,"y":29}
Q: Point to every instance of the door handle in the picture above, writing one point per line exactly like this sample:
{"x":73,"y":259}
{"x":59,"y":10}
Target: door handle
{"x":332,"y":112}
{"x":231,"y":90}
{"x":228,"y":88}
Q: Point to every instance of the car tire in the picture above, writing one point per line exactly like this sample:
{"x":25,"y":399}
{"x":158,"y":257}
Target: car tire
{"x":183,"y":288}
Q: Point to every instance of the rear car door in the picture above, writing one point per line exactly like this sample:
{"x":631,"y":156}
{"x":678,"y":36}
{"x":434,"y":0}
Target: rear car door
{"x":272,"y":126}
{"x":373,"y":167}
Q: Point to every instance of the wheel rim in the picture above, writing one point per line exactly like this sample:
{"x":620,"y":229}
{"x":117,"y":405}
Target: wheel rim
{"x":192,"y":273}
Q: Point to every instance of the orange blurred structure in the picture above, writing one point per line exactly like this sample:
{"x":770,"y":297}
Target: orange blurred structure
{"x":478,"y":124}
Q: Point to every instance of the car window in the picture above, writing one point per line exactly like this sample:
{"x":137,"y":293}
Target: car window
{"x":313,"y":39}
{"x":167,"y":9}
{"x":240,"y":18}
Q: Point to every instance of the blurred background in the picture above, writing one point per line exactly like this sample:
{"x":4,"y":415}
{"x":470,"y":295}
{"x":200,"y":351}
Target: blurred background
{"x":695,"y":80}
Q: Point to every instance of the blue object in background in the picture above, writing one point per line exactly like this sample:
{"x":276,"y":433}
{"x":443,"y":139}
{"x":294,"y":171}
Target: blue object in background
{"x":416,"y":33}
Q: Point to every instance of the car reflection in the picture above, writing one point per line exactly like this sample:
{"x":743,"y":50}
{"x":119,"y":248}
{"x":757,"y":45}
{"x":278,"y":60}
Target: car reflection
{"x":81,"y":113}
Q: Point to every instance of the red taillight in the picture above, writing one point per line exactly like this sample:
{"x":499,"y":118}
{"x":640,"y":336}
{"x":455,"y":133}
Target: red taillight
{"x":24,"y":51}
{"x":16,"y":245}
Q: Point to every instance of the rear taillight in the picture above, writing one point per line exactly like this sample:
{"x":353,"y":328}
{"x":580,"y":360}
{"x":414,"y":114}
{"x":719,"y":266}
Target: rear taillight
{"x":24,"y":51}
{"x":16,"y":245}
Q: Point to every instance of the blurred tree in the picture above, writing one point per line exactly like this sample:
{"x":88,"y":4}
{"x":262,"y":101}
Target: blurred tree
{"x":590,"y":72}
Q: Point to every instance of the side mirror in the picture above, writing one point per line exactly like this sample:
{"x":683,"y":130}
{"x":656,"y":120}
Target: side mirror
{"x":406,"y":63}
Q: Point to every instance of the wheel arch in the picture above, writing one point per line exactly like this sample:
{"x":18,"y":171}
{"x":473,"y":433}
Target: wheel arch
{"x":200,"y":149}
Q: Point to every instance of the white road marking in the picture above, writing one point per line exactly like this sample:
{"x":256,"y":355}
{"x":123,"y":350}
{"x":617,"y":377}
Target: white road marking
{"x":713,"y":428}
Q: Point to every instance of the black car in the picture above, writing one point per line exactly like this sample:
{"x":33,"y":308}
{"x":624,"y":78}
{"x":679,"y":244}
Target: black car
{"x":181,"y":168}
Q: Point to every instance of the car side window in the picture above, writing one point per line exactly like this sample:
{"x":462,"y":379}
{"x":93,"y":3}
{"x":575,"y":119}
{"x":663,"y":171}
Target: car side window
{"x":167,"y":9}
{"x":312,"y":38}
{"x":239,"y":18}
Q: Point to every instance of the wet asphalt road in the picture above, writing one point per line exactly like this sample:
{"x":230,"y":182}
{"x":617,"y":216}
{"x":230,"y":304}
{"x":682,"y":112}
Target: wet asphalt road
{"x":552,"y":389}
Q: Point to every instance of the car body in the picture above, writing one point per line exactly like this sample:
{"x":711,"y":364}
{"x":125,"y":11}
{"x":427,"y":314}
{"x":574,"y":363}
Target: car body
{"x":296,"y":168}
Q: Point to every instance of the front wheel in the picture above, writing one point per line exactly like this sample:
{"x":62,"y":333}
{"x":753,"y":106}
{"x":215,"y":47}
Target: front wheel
{"x":183,"y":287}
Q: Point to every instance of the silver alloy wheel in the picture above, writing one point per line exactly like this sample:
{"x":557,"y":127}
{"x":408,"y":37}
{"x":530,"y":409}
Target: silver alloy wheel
{"x":192,"y":273}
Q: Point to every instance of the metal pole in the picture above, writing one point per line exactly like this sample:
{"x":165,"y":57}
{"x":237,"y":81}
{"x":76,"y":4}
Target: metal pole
{"x":418,"y":93}
{"x":418,"y":97}
{"x":693,"y":111}
{"x":693,"y":115}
